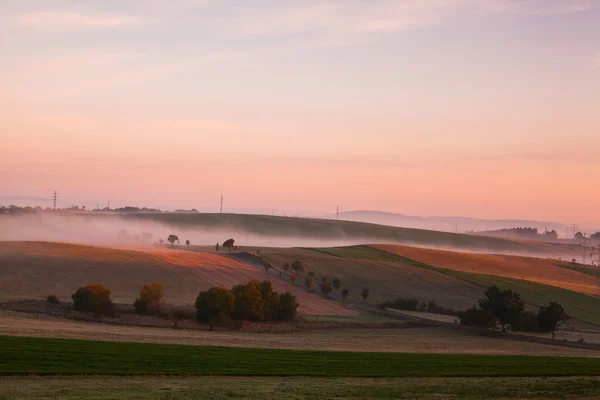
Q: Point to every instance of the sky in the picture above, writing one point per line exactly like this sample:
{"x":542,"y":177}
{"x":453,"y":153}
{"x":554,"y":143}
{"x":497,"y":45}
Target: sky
{"x":478,"y":108}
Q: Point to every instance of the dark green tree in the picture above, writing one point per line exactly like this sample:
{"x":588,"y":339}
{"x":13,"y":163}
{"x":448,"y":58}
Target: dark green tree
{"x":506,"y":305}
{"x":552,"y":317}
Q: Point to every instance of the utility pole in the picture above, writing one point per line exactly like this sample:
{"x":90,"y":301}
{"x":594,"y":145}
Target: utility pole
{"x":109,"y":205}
{"x":221,"y":210}
{"x":54,"y":198}
{"x":337,"y":213}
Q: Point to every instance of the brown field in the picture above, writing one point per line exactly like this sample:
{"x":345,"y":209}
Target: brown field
{"x":38,"y":269}
{"x":409,"y":340}
{"x":385,"y":279}
{"x":539,"y":270}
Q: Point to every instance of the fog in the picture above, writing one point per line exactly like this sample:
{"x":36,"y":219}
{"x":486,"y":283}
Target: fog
{"x":116,"y":231}
{"x":112,"y":230}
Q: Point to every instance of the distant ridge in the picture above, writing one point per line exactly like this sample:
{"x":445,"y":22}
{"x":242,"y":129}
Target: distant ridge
{"x":446,"y":224}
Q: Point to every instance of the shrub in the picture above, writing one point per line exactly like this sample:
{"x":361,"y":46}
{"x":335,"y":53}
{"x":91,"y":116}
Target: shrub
{"x":93,"y":298}
{"x":151,"y":299}
{"x":267,"y":265}
{"x":365,"y":293}
{"x":345,"y":293}
{"x":52,"y":299}
{"x":311,"y":274}
{"x":293,"y":278}
{"x":213,"y":302}
{"x":286,"y":267}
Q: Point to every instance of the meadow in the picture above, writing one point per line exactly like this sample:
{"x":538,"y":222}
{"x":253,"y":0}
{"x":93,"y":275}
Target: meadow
{"x":44,"y":356}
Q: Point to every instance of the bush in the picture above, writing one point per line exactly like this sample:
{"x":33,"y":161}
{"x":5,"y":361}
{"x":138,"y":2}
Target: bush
{"x":213,"y":302}
{"x":286,"y":267}
{"x":326,"y":287}
{"x":52,"y":299}
{"x":311,"y":274}
{"x":401,"y":304}
{"x":93,"y":298}
{"x":151,"y":299}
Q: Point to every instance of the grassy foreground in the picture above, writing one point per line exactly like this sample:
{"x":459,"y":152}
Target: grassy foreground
{"x":129,"y":388}
{"x":23,"y":355}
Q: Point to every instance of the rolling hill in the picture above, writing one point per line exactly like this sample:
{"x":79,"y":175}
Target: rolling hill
{"x":38,"y":269}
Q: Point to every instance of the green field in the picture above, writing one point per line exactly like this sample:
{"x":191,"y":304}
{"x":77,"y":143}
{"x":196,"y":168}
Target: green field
{"x":23,"y":355}
{"x":289,"y":388}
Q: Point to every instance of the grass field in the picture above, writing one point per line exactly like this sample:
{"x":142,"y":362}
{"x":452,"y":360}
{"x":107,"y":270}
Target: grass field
{"x":294,"y":388}
{"x":22,"y":355}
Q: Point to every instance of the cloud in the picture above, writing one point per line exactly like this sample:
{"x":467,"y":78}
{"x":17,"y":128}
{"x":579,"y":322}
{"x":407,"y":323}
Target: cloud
{"x":74,"y":20}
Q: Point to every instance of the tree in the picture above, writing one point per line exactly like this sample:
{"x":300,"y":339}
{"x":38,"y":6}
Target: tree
{"x":297,"y":267}
{"x":248,"y":302}
{"x":345,"y":293}
{"x":311,"y":274}
{"x":552,"y":317}
{"x":267,"y":265}
{"x":52,"y":299}
{"x":288,"y":306}
{"x":229,"y":243}
{"x":308,"y":282}
{"x":212,"y":302}
{"x":506,"y":305}
{"x":365,"y":293}
{"x":477,"y":317}
{"x":326,"y":287}
{"x":151,"y":299}
{"x":187,"y":243}
{"x":336,"y":283}
{"x":161,"y":241}
{"x":286,"y":267}
{"x":217,"y":247}
{"x":579,"y":236}
{"x":595,"y":236}
{"x":172,"y":239}
{"x":94,"y":298}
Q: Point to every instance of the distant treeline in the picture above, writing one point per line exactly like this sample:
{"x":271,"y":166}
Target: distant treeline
{"x":523,"y":233}
{"x":12,"y":209}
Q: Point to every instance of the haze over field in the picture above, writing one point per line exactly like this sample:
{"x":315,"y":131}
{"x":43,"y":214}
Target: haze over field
{"x":483,"y":109}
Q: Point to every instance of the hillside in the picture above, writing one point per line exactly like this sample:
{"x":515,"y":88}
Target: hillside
{"x":285,"y":231}
{"x":38,"y":269}
{"x":388,"y":275}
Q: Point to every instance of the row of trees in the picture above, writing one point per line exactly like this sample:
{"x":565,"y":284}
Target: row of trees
{"x":254,"y":301}
{"x":507,"y":309}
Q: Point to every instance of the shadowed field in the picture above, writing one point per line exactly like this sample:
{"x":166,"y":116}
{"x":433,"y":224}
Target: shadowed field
{"x":286,"y":388}
{"x":38,"y":269}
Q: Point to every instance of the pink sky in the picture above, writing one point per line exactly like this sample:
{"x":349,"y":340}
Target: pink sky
{"x":455,"y":107}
